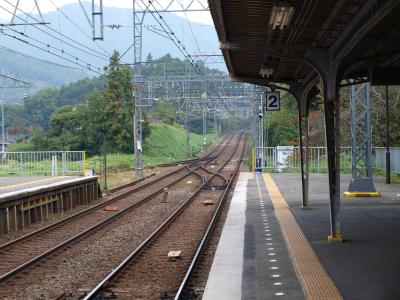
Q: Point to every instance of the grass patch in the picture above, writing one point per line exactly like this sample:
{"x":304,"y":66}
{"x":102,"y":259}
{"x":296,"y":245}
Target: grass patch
{"x":165,"y":144}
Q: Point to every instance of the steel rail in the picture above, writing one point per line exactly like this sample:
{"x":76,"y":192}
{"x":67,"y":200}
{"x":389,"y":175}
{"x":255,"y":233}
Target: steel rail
{"x":81,"y":234}
{"x":99,"y":205}
{"x":87,"y":211}
{"x":173,"y":164}
{"x":209,"y":230}
{"x":172,"y":217}
{"x":96,"y":226}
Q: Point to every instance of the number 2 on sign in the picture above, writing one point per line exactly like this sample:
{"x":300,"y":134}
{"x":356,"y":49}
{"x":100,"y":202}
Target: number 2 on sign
{"x":273,"y":101}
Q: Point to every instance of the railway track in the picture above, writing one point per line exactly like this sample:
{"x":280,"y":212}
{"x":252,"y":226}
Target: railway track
{"x":147,"y":272}
{"x":34,"y":248}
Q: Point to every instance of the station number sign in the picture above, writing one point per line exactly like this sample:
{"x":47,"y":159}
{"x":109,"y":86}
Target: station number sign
{"x":273,"y":101}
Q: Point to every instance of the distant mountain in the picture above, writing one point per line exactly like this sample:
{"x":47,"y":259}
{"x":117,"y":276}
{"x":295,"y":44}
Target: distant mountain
{"x":41,"y":74}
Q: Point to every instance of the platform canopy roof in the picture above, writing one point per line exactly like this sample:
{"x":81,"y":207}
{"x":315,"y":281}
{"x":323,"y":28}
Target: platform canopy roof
{"x":362,"y":37}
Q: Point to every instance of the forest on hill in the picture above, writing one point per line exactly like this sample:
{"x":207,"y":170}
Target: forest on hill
{"x":66,"y":118}
{"x":80,"y":115}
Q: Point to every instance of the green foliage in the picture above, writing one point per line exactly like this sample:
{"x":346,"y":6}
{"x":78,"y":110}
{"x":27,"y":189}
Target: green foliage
{"x":164,"y":144}
{"x":165,"y":111}
{"x":20,"y":147}
{"x":90,"y":112}
{"x":15,"y":119}
{"x":67,"y":128}
{"x":40,"y":106}
{"x":281,"y":127}
{"x":168,"y":141}
{"x":228,"y":125}
{"x":39,"y":139}
{"x":77,"y":92}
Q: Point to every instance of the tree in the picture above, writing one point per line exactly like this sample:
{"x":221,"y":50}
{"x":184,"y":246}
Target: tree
{"x":110,"y":114}
{"x":67,"y":128}
{"x":40,"y":106}
{"x":15,"y":120}
{"x":117,"y":101}
{"x":281,"y":127}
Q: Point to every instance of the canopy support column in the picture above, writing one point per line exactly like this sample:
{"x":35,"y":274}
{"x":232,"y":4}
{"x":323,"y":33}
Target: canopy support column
{"x":332,"y":127}
{"x":303,"y":94}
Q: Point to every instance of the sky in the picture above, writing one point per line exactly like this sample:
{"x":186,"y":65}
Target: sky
{"x":47,"y":6}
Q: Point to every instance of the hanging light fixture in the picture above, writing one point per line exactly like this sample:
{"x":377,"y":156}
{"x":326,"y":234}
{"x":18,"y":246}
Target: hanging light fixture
{"x":266,"y":70}
{"x":282,"y":15}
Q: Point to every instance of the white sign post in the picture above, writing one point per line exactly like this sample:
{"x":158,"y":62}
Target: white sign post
{"x":273,"y":101}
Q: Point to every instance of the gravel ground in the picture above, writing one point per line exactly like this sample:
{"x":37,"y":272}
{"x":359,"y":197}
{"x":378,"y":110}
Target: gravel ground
{"x":83,"y":264}
{"x":21,"y":252}
{"x":152,"y":274}
{"x":59,"y":216}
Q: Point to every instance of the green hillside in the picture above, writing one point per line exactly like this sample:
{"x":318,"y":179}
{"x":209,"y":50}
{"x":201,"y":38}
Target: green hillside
{"x":165,"y":143}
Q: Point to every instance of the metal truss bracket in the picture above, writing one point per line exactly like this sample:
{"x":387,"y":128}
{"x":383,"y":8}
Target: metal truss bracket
{"x":97,"y":18}
{"x":361,"y":148}
{"x":37,"y":8}
{"x":96,"y":22}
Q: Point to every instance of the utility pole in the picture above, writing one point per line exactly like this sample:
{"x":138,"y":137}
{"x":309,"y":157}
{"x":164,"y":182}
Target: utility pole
{"x":388,"y":177}
{"x":187,"y":128}
{"x":215,"y":121}
{"x":106,"y":191}
{"x":137,"y":95}
{"x":2,"y":125}
{"x":13,"y":83}
{"x":204,"y":126}
{"x":139,"y":11}
{"x":261,"y":132}
{"x":361,"y":146}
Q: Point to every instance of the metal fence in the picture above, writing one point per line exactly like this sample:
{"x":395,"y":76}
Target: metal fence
{"x":286,"y":158}
{"x":43,"y":163}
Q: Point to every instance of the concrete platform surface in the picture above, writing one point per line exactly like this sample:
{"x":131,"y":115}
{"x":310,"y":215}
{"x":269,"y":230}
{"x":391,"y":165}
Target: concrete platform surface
{"x":11,"y":184}
{"x":270,"y":248}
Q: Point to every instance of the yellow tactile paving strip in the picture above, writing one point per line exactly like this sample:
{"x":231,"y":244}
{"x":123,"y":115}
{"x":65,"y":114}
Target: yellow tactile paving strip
{"x":315,"y":281}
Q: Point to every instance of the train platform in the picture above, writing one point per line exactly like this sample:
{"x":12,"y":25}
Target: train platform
{"x":25,"y":201}
{"x":271,"y":248}
{"x":11,"y":184}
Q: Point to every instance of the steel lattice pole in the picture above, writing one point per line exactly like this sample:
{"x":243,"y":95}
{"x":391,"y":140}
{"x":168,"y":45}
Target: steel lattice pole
{"x":137,"y":101}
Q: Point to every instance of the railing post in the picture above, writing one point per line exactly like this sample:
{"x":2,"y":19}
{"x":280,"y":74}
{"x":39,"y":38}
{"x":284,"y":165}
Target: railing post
{"x":84,"y":163}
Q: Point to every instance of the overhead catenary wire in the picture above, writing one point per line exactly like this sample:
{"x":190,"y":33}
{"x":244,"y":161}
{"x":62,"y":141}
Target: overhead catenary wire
{"x":190,"y":26}
{"x":48,"y":51}
{"x":47,"y":45}
{"x":40,"y":59}
{"x":95,"y":52}
{"x":79,"y":28}
{"x":168,"y":30}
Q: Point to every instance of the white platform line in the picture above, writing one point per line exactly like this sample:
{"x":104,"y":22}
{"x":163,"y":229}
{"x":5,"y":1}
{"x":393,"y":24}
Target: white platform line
{"x":225,"y":279}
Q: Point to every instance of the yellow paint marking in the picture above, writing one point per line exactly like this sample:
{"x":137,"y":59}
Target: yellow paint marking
{"x":315,"y":281}
{"x":30,"y":183}
{"x":361,"y":194}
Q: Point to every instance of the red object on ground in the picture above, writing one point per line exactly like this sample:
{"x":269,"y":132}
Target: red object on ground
{"x":111,"y":207}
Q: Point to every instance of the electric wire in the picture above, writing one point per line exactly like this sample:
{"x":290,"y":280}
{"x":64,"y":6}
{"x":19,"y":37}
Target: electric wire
{"x":98,"y":54}
{"x":182,"y":49}
{"x":52,"y":47}
{"x":48,"y":51}
{"x":40,"y":59}
{"x":79,"y":28}
{"x":190,"y":26}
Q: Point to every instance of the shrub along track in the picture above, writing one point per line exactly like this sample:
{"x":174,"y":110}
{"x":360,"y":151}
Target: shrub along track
{"x":147,"y":272}
{"x":63,"y":252}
